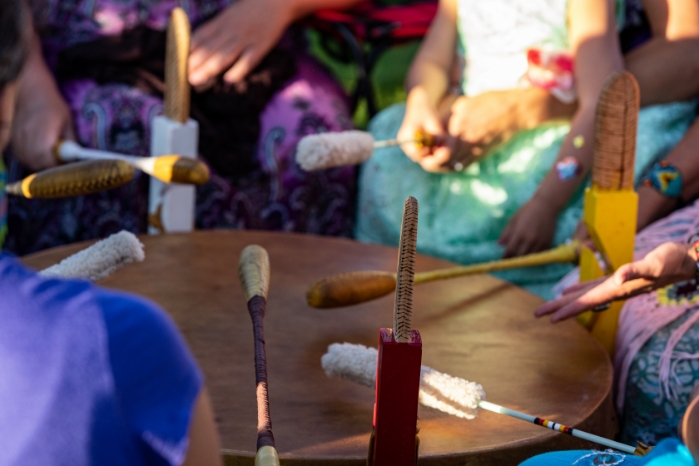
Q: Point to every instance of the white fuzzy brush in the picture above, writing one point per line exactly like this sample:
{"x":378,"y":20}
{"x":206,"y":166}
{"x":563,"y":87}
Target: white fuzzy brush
{"x":451,"y":395}
{"x":99,"y":260}
{"x":327,"y":150}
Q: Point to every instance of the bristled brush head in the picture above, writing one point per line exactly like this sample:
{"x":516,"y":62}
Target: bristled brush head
{"x":99,"y":260}
{"x":403,"y":310}
{"x":451,"y":395}
{"x":327,"y":150}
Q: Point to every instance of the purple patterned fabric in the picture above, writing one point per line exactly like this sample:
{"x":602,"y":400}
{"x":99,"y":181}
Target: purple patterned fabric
{"x":278,"y":195}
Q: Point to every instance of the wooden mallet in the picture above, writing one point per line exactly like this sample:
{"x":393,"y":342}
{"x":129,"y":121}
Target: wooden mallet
{"x":351,"y":288}
{"x":253,"y":268}
{"x":166,"y":168}
{"x":394,"y":438}
{"x":76,"y":179}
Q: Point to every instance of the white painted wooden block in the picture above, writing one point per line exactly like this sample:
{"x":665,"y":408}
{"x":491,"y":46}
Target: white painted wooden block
{"x":171,"y":206}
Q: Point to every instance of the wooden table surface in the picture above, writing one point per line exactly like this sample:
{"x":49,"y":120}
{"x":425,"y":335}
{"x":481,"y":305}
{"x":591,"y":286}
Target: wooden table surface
{"x":478,"y":328}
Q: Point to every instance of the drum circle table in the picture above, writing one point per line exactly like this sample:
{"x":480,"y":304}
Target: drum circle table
{"x":478,"y":328}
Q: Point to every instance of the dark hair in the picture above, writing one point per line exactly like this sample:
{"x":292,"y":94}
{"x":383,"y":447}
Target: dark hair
{"x":14,"y":28}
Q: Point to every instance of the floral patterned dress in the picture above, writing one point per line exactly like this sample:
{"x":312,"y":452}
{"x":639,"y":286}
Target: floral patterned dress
{"x":277,"y":195}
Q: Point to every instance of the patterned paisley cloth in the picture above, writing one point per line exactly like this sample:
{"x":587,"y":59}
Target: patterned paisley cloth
{"x":276,"y":195}
{"x":463,"y":213}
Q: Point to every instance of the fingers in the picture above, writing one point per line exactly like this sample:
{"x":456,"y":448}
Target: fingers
{"x":634,"y":270}
{"x":584,"y":285}
{"x":247,"y":62}
{"x":437,"y":161}
{"x":584,"y":301}
{"x":553,"y":306}
{"x":207,"y":63}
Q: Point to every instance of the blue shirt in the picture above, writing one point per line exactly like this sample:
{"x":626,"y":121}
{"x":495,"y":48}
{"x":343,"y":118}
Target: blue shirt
{"x":89,"y":376}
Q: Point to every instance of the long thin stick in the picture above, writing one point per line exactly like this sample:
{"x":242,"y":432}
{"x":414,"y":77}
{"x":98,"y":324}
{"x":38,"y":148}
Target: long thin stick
{"x":167,"y":168}
{"x":253,"y":269}
{"x":351,"y":288}
{"x":557,"y":427}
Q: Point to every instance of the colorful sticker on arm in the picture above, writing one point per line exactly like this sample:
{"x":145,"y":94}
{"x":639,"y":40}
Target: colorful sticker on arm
{"x":568,"y":168}
{"x":666,"y":179}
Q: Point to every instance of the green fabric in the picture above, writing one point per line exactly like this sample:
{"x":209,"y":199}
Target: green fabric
{"x":462,"y":214}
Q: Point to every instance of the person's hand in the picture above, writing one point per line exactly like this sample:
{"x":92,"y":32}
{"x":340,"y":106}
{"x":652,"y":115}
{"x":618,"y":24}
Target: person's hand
{"x":236,"y":40}
{"x":479,"y":123}
{"x":667,"y":264}
{"x":42,"y":118}
{"x":421,"y":117}
{"x":530,"y":229}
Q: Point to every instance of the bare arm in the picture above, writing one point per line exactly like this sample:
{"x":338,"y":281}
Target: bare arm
{"x":204,"y":444}
{"x":667,"y":66}
{"x":652,"y":205}
{"x":595,"y":45}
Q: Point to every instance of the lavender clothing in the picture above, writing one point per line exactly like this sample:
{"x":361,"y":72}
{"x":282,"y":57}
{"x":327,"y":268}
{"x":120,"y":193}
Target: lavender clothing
{"x":89,"y":376}
{"x":277,"y":195}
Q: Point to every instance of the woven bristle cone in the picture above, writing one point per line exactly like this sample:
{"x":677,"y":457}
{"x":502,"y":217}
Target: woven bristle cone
{"x":80,"y":178}
{"x":402,"y":312}
{"x":615,"y":133}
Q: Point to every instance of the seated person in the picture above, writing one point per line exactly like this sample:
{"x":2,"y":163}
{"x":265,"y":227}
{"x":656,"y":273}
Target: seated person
{"x":667,"y":264}
{"x":89,"y":376}
{"x":658,"y":335}
{"x":257,"y":92}
{"x":95,"y":377}
{"x":506,"y":196}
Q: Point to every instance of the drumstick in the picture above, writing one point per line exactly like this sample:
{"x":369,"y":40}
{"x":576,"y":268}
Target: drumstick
{"x":346,"y":289}
{"x":327,"y":150}
{"x":253,"y":268}
{"x":99,"y":260}
{"x":167,"y":168}
{"x":76,"y":179}
{"x":444,"y":392}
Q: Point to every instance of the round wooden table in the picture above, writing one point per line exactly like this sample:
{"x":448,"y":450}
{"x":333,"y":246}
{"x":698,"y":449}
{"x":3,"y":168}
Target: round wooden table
{"x":478,"y":328}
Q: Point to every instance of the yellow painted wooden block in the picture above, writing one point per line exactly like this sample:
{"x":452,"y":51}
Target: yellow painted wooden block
{"x":610,"y":217}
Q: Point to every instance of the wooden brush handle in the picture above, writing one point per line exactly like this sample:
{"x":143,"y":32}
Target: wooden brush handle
{"x":267,"y":456}
{"x":253,"y":268}
{"x":178,"y":169}
{"x":176,"y":55}
{"x":352,"y":288}
{"x":561,"y":254}
{"x":348,"y":289}
{"x":76,"y":179}
{"x":615,"y":133}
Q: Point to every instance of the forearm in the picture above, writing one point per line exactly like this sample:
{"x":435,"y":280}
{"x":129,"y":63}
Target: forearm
{"x":427,"y":83}
{"x":554,"y":191}
{"x":35,"y":71}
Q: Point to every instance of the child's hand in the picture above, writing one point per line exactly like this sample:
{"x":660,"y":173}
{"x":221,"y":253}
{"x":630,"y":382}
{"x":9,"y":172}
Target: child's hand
{"x":530,"y":230}
{"x":420,"y":116}
{"x":668,"y":263}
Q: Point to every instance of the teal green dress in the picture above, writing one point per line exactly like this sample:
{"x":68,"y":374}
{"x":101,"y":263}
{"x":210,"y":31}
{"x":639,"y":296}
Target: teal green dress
{"x":462,"y":214}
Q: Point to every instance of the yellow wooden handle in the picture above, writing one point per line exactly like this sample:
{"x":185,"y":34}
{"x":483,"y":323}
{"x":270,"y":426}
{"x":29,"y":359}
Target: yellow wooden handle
{"x":267,"y":456}
{"x":351,"y":288}
{"x":178,"y":169}
{"x":253,"y":268}
{"x":177,"y":95}
{"x":76,"y":179}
